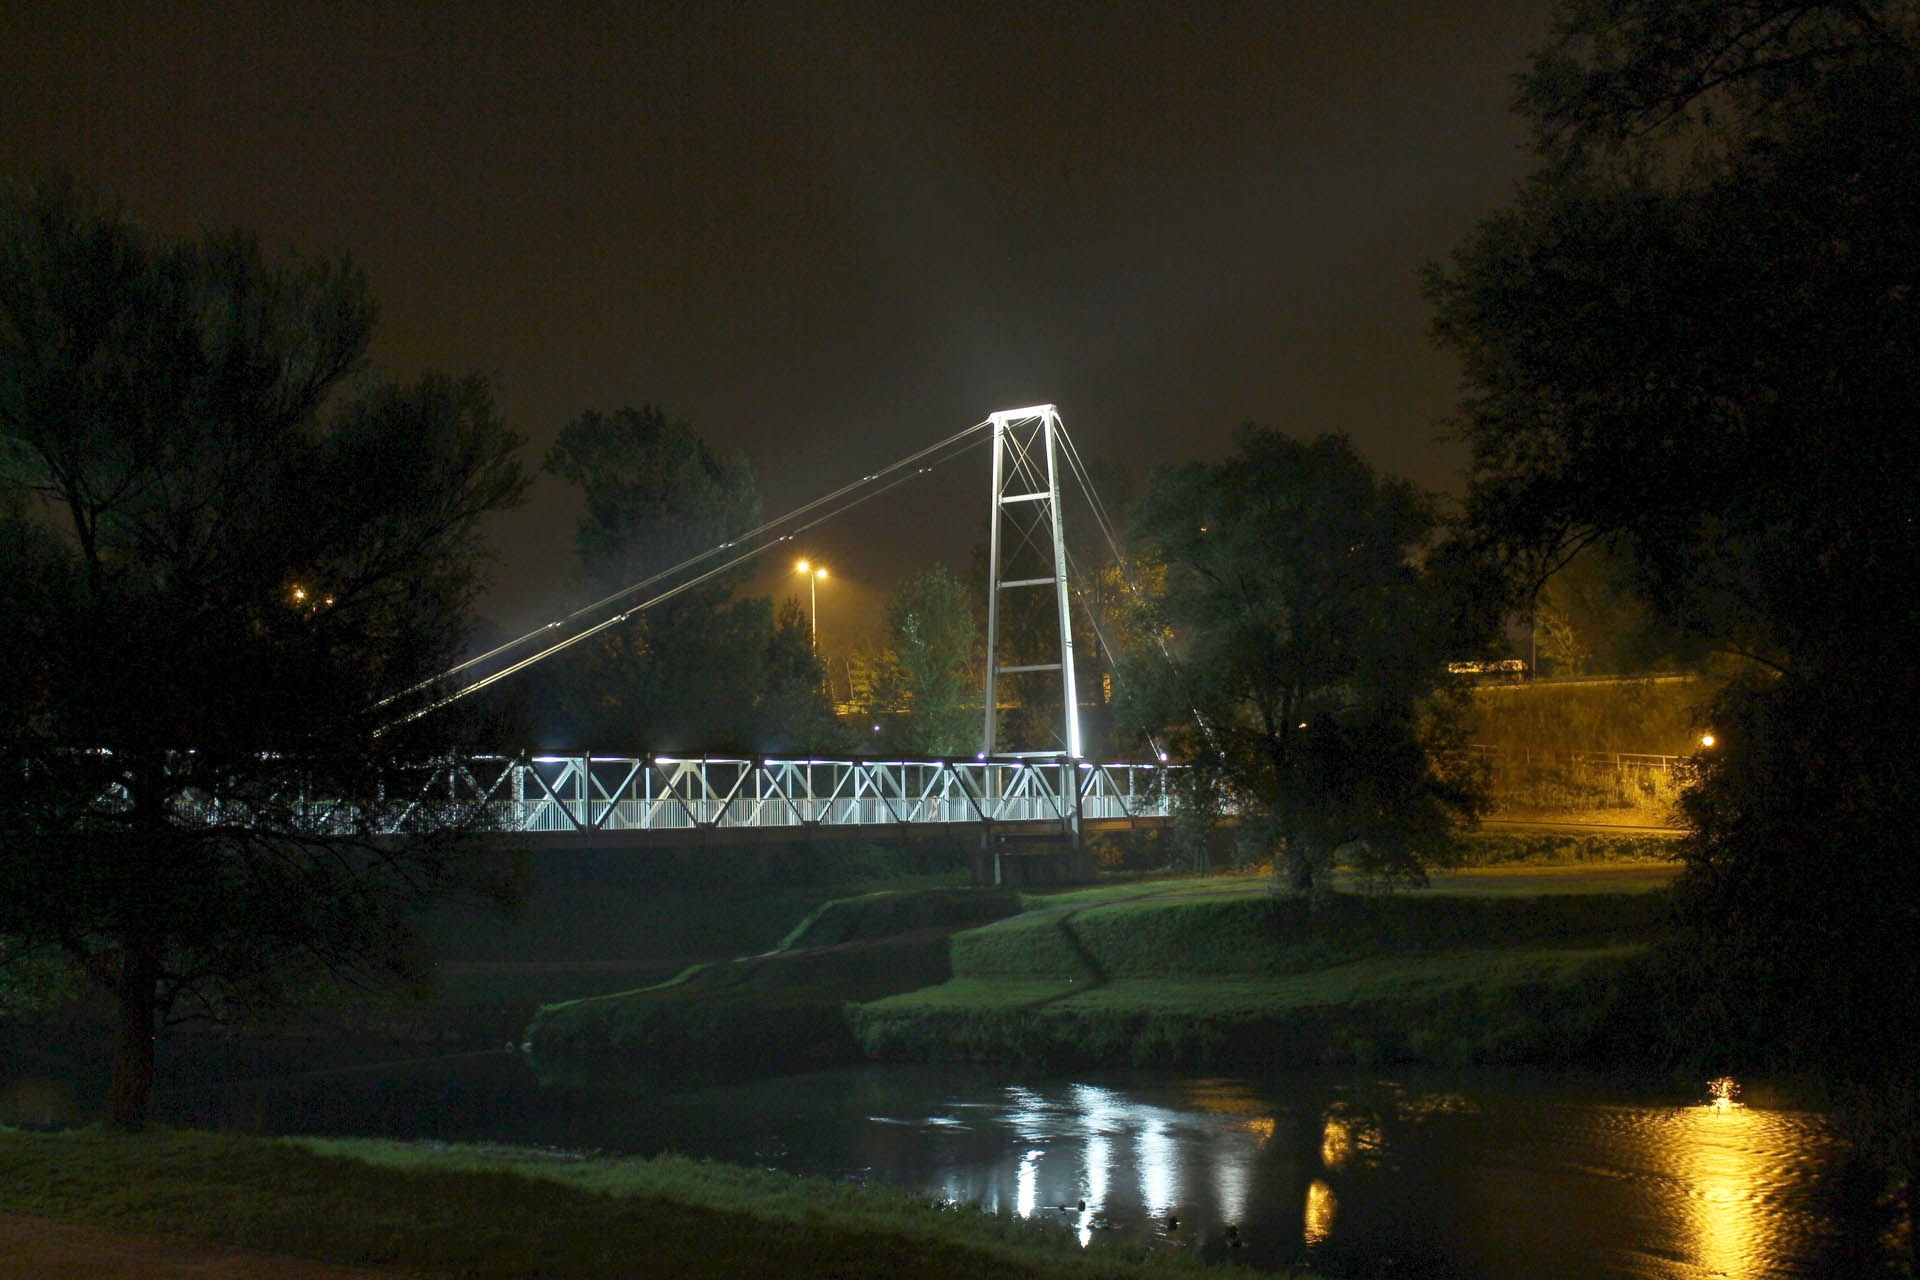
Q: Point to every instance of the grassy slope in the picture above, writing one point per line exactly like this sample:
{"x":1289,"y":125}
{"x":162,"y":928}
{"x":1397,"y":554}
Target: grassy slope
{"x":1641,"y":716}
{"x":481,"y":1212}
{"x":1222,"y":973}
{"x":782,"y":1008}
{"x":1536,"y":726}
{"x":1510,"y":959}
{"x":598,"y":922}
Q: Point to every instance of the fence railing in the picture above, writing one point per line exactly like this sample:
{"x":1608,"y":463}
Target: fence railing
{"x":1626,"y":760}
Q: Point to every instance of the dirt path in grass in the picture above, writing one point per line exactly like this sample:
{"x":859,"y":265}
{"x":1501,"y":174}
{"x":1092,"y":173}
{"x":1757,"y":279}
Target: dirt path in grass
{"x":45,"y":1249}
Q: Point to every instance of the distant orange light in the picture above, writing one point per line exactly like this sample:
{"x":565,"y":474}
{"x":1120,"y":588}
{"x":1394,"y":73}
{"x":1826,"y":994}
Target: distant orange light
{"x":299,"y":593}
{"x":1706,"y":739}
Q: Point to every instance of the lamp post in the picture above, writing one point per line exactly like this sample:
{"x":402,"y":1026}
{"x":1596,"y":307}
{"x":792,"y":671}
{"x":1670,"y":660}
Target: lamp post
{"x":814,"y":573}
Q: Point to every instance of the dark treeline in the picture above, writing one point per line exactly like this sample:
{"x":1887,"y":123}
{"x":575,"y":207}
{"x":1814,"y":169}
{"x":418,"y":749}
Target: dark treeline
{"x":1691,"y":345}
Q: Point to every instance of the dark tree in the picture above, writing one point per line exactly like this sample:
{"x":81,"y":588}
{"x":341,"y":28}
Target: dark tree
{"x":1694,"y":333}
{"x":933,"y":668}
{"x":218,"y":564}
{"x":1588,"y":618}
{"x":1697,"y":333}
{"x":1294,"y":648}
{"x":687,"y":673}
{"x":796,"y":712}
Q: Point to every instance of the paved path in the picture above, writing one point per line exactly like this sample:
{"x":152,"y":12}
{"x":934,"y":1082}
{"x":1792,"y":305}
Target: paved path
{"x":1562,"y":826}
{"x":44,"y":1249}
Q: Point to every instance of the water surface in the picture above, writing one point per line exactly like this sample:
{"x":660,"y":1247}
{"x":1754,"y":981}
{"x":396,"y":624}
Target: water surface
{"x":1416,"y":1173}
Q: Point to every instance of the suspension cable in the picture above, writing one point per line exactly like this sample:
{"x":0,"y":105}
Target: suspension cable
{"x":1099,"y":509}
{"x":754,"y":536}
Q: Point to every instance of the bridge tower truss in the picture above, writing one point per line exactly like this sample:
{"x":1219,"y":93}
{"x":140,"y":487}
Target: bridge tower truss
{"x":1027,"y":573}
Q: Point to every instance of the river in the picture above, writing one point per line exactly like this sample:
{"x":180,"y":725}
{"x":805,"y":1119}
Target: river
{"x":1414,"y":1173}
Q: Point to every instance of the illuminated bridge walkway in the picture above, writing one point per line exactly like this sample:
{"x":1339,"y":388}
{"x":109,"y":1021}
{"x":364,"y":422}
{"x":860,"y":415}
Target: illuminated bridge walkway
{"x":609,"y":801}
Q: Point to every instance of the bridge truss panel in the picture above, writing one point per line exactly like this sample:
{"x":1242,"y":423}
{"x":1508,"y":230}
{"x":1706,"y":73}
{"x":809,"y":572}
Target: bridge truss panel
{"x":588,"y":793}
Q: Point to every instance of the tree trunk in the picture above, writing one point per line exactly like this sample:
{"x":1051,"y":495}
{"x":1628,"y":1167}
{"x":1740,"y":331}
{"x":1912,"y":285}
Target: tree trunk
{"x":131,"y":1095}
{"x":1912,"y":1190}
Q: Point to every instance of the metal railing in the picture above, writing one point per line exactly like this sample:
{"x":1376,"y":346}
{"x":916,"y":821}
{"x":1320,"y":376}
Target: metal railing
{"x":564,"y":793}
{"x":1623,"y":760}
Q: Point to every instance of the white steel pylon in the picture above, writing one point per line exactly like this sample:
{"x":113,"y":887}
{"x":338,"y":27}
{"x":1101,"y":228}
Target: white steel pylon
{"x":1025,"y":553}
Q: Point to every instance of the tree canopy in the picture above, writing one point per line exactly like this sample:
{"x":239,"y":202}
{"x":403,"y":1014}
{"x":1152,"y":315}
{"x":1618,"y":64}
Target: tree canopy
{"x":932,"y":675}
{"x":707,"y":668}
{"x":795,"y":712}
{"x":1696,"y":333}
{"x":1292,"y":643}
{"x":221,"y":562}
{"x":1694,"y":330}
{"x":686,"y":673}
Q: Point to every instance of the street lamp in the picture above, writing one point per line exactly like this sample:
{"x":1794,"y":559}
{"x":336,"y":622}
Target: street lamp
{"x":814,"y":573}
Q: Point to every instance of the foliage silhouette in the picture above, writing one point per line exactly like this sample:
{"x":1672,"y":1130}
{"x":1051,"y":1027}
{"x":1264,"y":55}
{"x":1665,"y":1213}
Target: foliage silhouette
{"x":1695,"y":334}
{"x":1305,"y":662}
{"x":221,"y":563}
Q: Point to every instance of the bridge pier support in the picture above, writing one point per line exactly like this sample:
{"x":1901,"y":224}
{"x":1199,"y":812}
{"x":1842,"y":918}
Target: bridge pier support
{"x":1014,"y":862}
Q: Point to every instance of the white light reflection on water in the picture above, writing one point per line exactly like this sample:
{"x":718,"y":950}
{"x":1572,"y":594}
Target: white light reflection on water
{"x":1112,"y":1136}
{"x":1099,"y":1157}
{"x":1026,"y":1183}
{"x":1232,"y":1182}
{"x":1158,"y":1160}
{"x":1100,"y":1118}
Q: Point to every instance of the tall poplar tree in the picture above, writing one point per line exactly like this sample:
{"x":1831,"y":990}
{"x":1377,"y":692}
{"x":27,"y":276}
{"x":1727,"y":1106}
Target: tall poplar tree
{"x":221,"y":561}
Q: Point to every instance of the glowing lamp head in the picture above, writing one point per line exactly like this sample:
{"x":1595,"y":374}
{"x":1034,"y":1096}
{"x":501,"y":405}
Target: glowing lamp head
{"x":1706,"y":739}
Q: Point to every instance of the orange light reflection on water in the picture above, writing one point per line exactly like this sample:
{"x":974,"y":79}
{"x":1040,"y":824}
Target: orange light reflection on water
{"x":1721,"y":1173}
{"x":1728,"y":1167}
{"x":1321,"y":1203}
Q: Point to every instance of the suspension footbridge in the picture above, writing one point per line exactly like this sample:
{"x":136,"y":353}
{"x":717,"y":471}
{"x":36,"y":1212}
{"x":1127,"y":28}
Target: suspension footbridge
{"x":1007,"y":790}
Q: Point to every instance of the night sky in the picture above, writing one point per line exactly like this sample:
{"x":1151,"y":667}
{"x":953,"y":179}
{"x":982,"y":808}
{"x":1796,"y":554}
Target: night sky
{"x":831,"y":234}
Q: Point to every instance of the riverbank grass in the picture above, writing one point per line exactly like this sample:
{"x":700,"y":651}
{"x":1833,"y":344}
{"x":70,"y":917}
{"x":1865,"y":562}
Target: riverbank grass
{"x":1539,"y":1005}
{"x":785,"y":1007}
{"x":485,"y":1212}
{"x":1496,"y":966}
{"x":1520,"y":955}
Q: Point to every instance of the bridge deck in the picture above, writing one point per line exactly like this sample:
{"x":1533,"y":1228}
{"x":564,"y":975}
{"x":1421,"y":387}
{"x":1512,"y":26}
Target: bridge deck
{"x":614,"y":800}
